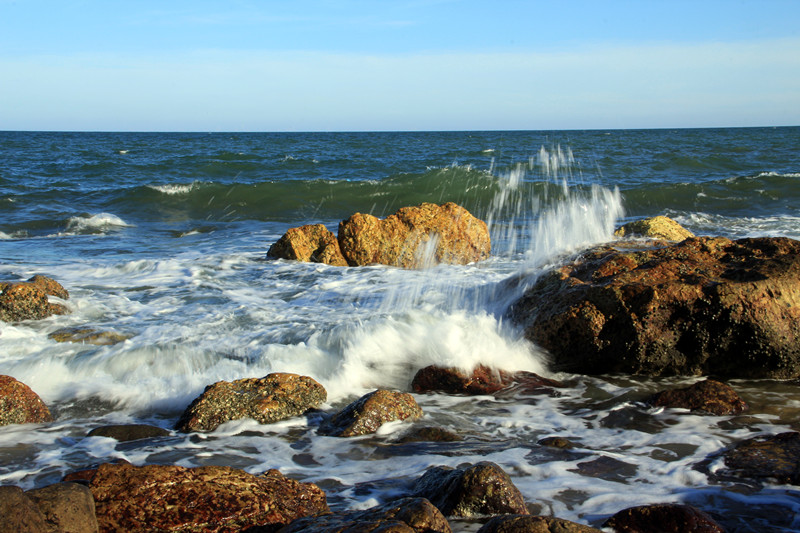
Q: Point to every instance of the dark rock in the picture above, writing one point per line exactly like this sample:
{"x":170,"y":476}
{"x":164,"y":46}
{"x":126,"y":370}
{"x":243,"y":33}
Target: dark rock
{"x":310,"y":243}
{"x":370,"y":412}
{"x":666,"y":518}
{"x":607,"y":468}
{"x":87,"y":335}
{"x":405,"y":515}
{"x":210,"y":498}
{"x":659,"y":227}
{"x":707,"y":396}
{"x":19,"y":513}
{"x":482,"y":380}
{"x":275,"y":397}
{"x":67,"y":507}
{"x":533,"y":524}
{"x":128,"y":432}
{"x":774,"y":457}
{"x":480,"y":489}
{"x":702,"y":306}
{"x":429,"y":434}
{"x":415,"y":237}
{"x":27,"y":300}
{"x":20,"y":405}
{"x":556,"y":442}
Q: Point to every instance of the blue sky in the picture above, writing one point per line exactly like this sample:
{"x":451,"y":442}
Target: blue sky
{"x":397,"y":65}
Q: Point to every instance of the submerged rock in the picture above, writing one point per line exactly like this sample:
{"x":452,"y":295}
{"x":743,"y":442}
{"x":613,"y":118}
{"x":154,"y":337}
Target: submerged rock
{"x":27,"y":300}
{"x":702,"y":306}
{"x":275,"y":397}
{"x":707,"y":396}
{"x":774,"y":457}
{"x":310,"y":243}
{"x":370,"y":412}
{"x":128,"y":432}
{"x":481,"y":380}
{"x":533,"y":524}
{"x":480,"y":489}
{"x":659,"y":227}
{"x":88,"y":335}
{"x":663,"y":518}
{"x":20,"y":405}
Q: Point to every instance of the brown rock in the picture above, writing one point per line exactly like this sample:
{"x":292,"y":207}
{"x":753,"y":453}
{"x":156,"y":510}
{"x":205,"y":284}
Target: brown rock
{"x":20,"y":514}
{"x":774,"y":457}
{"x":87,"y":335}
{"x":128,"y":432}
{"x":702,"y":306}
{"x":400,"y":516}
{"x":533,"y":524}
{"x":67,"y":507}
{"x":707,"y":396}
{"x":310,"y":243}
{"x":482,"y":380}
{"x":49,"y":286}
{"x":480,"y":489}
{"x":429,"y":434}
{"x":659,"y":227}
{"x":210,"y":498}
{"x":27,"y":300}
{"x":556,"y":442}
{"x":370,"y":412}
{"x":666,"y":518}
{"x":275,"y":397}
{"x":20,"y":405}
{"x":415,"y":237}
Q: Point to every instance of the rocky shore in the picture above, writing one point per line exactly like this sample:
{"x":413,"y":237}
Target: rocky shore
{"x":661,"y":303}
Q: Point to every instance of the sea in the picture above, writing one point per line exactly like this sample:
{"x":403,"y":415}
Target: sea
{"x":162,"y":238}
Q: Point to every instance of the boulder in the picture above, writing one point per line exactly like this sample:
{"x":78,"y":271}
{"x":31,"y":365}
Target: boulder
{"x":128,"y":432}
{"x":209,"y":498}
{"x":659,"y":227}
{"x":400,"y":516}
{"x":701,"y":306}
{"x":533,"y":524}
{"x":88,"y":335}
{"x":27,"y":300}
{"x":429,"y":434}
{"x":275,"y":397}
{"x":67,"y":507}
{"x":480,"y":489}
{"x":707,"y":396}
{"x":415,"y":237}
{"x":19,"y":513}
{"x":310,"y":243}
{"x":481,"y":380}
{"x":49,"y":286}
{"x":774,"y":457}
{"x":663,"y":518}
{"x":20,"y":405}
{"x":370,"y":412}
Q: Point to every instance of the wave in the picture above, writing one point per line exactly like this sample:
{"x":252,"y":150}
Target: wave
{"x":93,"y":224}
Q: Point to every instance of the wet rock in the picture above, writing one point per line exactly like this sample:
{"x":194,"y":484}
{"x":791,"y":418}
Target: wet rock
{"x":87,"y":335}
{"x":556,"y":442}
{"x":210,"y":498}
{"x":481,"y":380}
{"x":533,"y":524}
{"x":702,"y":306}
{"x":67,"y":507}
{"x":370,"y":412}
{"x":19,"y":513}
{"x":20,"y":405}
{"x":480,"y":489}
{"x":275,"y":397}
{"x":665,"y":518}
{"x":128,"y":432}
{"x":310,"y":243}
{"x":49,"y":286}
{"x":659,"y":227}
{"x":774,"y":457}
{"x":429,"y":434}
{"x":707,"y":396}
{"x":27,"y":300}
{"x":415,"y":237}
{"x":400,"y":516}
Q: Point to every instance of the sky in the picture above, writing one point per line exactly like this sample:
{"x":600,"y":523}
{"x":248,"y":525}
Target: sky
{"x":365,"y":65}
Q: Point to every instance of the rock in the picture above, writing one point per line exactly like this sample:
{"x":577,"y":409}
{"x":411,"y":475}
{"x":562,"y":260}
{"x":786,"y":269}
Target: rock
{"x":87,"y":335}
{"x":49,"y":286}
{"x":707,"y":396}
{"x":702,"y":306}
{"x":275,"y":397}
{"x":67,"y":507}
{"x":20,"y":405}
{"x":665,"y":518}
{"x":209,"y":498}
{"x":480,"y":489}
{"x":27,"y":300}
{"x":774,"y":457}
{"x":128,"y":432}
{"x":556,"y":442}
{"x":408,"y":514}
{"x":429,"y":434}
{"x":659,"y":227}
{"x":533,"y":524}
{"x":482,"y":380}
{"x":415,"y":237}
{"x":310,"y":243}
{"x":20,"y":514}
{"x":370,"y":412}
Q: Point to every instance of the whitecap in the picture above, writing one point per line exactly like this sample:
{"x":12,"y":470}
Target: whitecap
{"x":174,"y":188}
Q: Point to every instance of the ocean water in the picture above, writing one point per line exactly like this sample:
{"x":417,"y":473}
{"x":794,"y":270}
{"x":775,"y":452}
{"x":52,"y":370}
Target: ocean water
{"x":163,"y":236}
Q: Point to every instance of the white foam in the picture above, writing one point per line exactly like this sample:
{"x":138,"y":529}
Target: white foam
{"x":174,"y":188}
{"x":99,"y":223}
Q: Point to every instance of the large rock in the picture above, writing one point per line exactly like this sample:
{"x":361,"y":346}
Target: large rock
{"x":19,"y":513}
{"x":412,"y":515}
{"x":210,"y":498}
{"x":533,"y":524}
{"x":310,"y":243}
{"x":129,"y":432}
{"x":275,"y":397}
{"x":663,"y":518}
{"x":481,"y":380}
{"x":659,"y":227}
{"x":702,"y":306}
{"x":67,"y":507}
{"x":774,"y":457}
{"x":20,"y":405}
{"x":370,"y":412}
{"x":415,"y":237}
{"x":708,"y":396}
{"x":480,"y":489}
{"x":27,"y":300}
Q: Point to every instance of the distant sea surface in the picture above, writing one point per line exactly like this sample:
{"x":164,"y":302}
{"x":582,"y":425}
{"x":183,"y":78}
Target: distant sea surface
{"x":162,"y":237}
